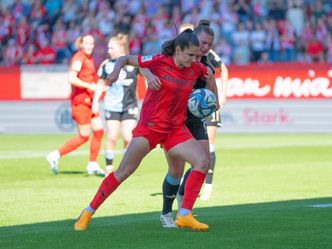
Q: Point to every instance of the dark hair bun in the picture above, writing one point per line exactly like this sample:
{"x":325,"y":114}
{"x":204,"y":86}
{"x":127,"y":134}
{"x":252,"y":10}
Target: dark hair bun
{"x":204,"y":22}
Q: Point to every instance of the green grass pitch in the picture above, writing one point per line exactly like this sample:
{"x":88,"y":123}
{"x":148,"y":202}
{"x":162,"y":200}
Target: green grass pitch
{"x":265,"y":196}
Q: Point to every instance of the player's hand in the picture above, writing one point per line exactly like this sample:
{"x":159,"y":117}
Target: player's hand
{"x":111,"y":78}
{"x":95,"y":107}
{"x":153,"y":82}
{"x":92,"y":86}
{"x":209,"y":73}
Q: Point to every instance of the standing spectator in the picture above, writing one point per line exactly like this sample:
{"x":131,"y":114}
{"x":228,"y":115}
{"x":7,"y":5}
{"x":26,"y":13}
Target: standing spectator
{"x":73,"y":32}
{"x":69,"y":11}
{"x":53,"y":9}
{"x":314,"y":51}
{"x":241,"y":54}
{"x":224,"y":50}
{"x":59,"y":42}
{"x":242,"y":8}
{"x":257,"y":41}
{"x":276,"y":10}
{"x":318,"y":11}
{"x":22,"y":31}
{"x":241,"y":35}
{"x":228,"y":20}
{"x":288,"y":37}
{"x":295,"y":15}
{"x":273,"y":44}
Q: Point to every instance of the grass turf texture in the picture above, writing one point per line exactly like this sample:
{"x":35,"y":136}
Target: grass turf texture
{"x":263,"y":188}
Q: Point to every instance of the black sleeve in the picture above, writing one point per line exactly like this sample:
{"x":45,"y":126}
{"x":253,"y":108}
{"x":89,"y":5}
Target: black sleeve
{"x":214,"y":60}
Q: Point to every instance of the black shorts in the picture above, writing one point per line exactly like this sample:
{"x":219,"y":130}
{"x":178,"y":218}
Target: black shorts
{"x":197,"y":128}
{"x":131,"y":113}
{"x":214,"y":119}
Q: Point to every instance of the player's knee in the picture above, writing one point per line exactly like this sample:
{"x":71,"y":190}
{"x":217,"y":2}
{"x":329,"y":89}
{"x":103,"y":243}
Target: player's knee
{"x":84,"y":139}
{"x":202,"y":163}
{"x":98,"y":134}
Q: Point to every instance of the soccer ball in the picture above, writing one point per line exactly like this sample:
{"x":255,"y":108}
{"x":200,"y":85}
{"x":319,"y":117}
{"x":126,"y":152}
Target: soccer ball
{"x":202,"y":103}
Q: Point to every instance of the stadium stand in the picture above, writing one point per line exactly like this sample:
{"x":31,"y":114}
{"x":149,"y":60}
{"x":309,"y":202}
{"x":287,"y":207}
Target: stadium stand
{"x":43,"y":31}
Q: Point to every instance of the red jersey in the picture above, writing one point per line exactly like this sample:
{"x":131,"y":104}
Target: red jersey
{"x":86,"y":71}
{"x":166,"y":109}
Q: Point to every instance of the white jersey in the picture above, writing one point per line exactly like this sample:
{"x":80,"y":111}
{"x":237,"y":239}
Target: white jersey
{"x":121,"y":96}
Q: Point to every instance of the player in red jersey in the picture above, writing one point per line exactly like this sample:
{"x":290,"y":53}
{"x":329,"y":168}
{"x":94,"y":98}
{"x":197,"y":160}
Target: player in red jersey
{"x":82,"y":77}
{"x":162,"y":121}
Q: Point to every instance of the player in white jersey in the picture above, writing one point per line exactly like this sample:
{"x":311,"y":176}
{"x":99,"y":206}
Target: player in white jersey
{"x":120,"y":101}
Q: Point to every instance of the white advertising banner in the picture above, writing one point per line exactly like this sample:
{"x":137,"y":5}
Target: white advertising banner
{"x":44,"y":82}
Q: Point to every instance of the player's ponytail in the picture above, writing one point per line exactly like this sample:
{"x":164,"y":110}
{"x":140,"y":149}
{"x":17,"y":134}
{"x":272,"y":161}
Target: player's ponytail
{"x":184,"y":40}
{"x":204,"y":26}
{"x":79,"y":41}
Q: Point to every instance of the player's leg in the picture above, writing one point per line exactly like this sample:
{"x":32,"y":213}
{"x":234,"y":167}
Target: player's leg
{"x":181,"y":145}
{"x":213,"y":122}
{"x":170,"y":188}
{"x":82,"y":117}
{"x":113,"y":128}
{"x":96,"y":141}
{"x":192,"y":152}
{"x":197,"y":128}
{"x":137,"y":150}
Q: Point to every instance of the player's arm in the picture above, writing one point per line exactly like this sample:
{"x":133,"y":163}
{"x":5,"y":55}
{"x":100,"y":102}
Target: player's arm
{"x":97,"y":95}
{"x":223,"y":88}
{"x":152,"y":80}
{"x":74,"y":80}
{"x":211,"y":85}
{"x":120,"y":63}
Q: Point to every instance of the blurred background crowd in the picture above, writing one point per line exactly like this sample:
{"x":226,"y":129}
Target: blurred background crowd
{"x":262,"y":31}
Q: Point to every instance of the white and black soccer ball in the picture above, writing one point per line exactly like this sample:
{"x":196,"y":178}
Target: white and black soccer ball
{"x":202,"y":103}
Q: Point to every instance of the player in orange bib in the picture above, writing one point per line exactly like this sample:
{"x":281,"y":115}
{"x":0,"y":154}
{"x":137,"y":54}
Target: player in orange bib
{"x":162,"y":121}
{"x":83,"y":78}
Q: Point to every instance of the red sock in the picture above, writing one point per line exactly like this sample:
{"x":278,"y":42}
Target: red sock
{"x":72,"y":144}
{"x":95,"y":144}
{"x":192,"y":187}
{"x":107,"y":187}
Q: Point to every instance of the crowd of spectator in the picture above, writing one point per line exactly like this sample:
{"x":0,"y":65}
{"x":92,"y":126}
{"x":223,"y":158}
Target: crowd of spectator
{"x":262,"y":31}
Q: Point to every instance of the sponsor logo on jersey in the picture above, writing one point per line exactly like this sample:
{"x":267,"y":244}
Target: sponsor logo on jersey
{"x":146,"y":58}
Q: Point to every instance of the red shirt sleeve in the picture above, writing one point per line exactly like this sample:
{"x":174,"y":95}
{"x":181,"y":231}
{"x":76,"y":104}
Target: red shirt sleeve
{"x":149,"y":61}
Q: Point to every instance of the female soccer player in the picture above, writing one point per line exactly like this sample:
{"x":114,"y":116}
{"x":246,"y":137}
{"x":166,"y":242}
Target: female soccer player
{"x":120,"y":100}
{"x":162,"y":121}
{"x":196,"y":126}
{"x":82,"y":77}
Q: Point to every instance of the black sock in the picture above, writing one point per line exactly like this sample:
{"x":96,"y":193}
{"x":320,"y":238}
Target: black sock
{"x":209,"y":175}
{"x":169,"y":195}
{"x":181,"y":189}
{"x":109,"y":161}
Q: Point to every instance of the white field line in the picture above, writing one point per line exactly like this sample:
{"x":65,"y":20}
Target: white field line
{"x":35,"y":154}
{"x":321,"y":205}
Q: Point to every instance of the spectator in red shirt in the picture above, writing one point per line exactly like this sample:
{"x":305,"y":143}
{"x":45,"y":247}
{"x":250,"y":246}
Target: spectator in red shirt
{"x":314,"y":51}
{"x":46,"y":54}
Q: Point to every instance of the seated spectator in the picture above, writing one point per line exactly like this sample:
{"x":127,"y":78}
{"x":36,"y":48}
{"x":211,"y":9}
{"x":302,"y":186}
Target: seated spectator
{"x":46,"y":54}
{"x":30,"y":56}
{"x":12,"y":53}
